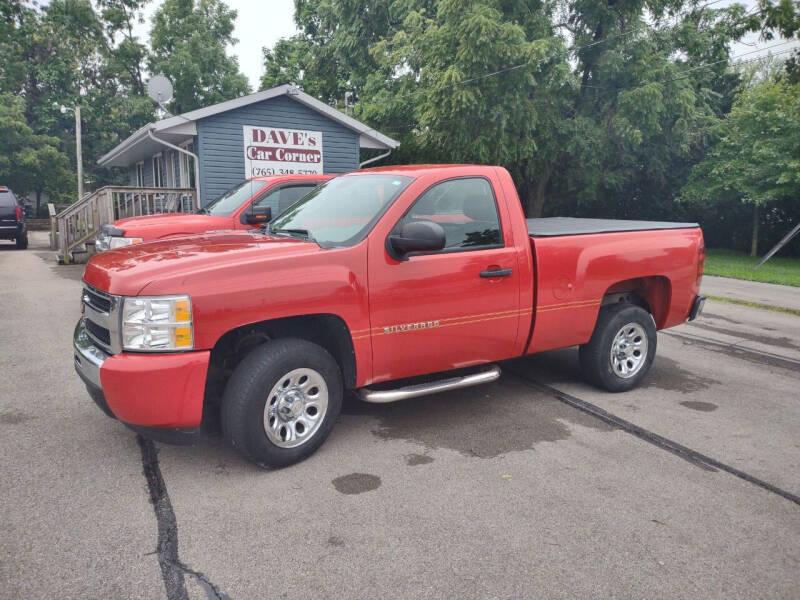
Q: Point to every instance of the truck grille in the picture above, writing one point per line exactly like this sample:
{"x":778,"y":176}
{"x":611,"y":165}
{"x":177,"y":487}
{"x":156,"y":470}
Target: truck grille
{"x":101,"y":318}
{"x":100,"y":334}
{"x":97,"y":301}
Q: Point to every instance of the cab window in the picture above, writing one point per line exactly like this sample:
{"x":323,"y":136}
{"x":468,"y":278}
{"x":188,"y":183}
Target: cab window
{"x":465,"y":208}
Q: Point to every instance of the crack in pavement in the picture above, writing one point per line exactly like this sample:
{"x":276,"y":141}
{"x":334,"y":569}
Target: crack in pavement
{"x":172,"y":569}
{"x":749,"y":354}
{"x":693,"y":457}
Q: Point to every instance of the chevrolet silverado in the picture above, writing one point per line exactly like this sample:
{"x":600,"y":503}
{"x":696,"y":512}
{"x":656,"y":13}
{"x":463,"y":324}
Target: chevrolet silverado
{"x":373,"y":280}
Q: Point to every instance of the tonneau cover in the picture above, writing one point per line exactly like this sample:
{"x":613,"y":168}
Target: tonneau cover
{"x":554,"y":226}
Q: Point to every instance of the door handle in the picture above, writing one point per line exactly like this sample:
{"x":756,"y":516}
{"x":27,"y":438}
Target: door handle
{"x":497,"y":273}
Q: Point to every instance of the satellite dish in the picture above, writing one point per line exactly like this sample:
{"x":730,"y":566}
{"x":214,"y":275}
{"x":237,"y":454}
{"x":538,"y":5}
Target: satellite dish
{"x":159,"y":88}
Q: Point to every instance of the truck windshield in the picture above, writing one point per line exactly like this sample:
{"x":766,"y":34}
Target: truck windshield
{"x":226,"y":205}
{"x":342,"y":211}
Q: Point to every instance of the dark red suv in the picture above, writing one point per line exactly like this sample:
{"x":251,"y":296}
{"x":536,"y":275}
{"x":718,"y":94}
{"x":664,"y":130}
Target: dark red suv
{"x":12,"y":219}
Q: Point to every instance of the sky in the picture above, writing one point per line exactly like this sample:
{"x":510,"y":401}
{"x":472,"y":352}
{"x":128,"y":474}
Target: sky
{"x":261,"y":23}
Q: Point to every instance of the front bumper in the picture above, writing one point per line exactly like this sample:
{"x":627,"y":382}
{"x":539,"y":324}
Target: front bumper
{"x":161,"y":392}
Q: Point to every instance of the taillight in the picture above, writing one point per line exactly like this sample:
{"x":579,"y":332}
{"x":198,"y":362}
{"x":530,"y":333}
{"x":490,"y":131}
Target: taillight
{"x":18,"y":211}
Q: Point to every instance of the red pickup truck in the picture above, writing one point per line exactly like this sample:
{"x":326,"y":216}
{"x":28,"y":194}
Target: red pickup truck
{"x":374,"y":279}
{"x":245,"y":206}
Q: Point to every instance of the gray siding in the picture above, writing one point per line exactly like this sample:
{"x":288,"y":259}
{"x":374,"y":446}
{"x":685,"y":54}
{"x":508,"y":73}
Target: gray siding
{"x":220,"y":143}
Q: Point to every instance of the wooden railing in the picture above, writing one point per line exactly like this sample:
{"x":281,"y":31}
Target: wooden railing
{"x":81,"y":222}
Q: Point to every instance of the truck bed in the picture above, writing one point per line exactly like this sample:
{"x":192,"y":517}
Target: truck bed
{"x":556,"y":226}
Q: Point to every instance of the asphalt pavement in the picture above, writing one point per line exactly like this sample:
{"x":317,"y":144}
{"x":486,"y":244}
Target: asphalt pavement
{"x":536,"y":486}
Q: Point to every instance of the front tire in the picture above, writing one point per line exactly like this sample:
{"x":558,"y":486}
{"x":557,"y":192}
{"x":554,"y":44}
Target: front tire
{"x":621,"y":350}
{"x":281,"y":402}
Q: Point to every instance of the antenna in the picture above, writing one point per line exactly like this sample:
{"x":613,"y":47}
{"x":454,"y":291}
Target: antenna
{"x":159,"y":88}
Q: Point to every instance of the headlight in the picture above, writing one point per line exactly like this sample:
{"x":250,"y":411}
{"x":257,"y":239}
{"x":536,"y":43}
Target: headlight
{"x":101,"y":243}
{"x":119,"y":242}
{"x":157,"y":324}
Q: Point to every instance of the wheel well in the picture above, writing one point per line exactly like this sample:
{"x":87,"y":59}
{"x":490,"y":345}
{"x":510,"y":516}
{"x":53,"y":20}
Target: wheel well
{"x":653,"y":293}
{"x":328,"y":331}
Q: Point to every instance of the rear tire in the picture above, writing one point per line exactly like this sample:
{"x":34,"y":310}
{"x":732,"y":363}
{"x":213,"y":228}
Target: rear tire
{"x":281,"y":402}
{"x":22,"y":243}
{"x":621,"y":350}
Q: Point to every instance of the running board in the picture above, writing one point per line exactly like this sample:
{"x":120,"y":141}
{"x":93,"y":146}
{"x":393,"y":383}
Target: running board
{"x":434,"y":387}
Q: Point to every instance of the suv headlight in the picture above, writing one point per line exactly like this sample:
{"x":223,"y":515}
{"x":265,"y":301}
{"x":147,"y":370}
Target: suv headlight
{"x":157,"y":323}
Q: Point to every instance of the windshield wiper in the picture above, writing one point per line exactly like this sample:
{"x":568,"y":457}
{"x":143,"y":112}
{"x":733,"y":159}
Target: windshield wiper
{"x":201,"y":211}
{"x":290,"y":230}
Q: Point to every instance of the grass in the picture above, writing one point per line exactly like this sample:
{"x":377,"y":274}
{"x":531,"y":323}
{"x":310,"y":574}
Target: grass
{"x":738,"y":265}
{"x":780,"y":309}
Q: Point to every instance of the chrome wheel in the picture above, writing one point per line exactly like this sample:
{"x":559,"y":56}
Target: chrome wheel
{"x":629,"y":350}
{"x":295,"y":408}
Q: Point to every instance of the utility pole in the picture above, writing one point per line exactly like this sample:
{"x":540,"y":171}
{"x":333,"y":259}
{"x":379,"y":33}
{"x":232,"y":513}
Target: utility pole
{"x":78,"y":151}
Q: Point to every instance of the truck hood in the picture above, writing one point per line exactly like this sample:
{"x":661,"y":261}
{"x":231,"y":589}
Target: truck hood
{"x":126,"y":271}
{"x":152,"y":227}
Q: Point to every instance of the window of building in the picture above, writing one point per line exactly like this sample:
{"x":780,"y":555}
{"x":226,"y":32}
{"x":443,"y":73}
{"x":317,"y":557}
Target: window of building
{"x":158,"y":170}
{"x":140,"y":173}
{"x":466,"y":210}
{"x":186,"y":167}
{"x":170,"y":179}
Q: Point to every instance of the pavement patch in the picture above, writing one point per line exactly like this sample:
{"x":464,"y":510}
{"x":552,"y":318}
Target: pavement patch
{"x":480,"y":422}
{"x":15,"y":417}
{"x":667,"y":374}
{"x":698,"y":405}
{"x":412,"y":460}
{"x":335,"y":541}
{"x":356,"y":483}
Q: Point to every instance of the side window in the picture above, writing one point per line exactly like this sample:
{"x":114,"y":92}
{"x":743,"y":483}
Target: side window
{"x":281,"y":199}
{"x":466,"y":210}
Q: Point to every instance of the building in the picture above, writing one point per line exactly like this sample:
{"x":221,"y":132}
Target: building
{"x":274,"y":131}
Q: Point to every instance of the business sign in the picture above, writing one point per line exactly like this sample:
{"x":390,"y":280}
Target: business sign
{"x":275,"y":151}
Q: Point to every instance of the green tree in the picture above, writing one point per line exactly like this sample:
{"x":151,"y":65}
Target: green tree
{"x":72,"y":55}
{"x":424,"y":90}
{"x":126,"y":55}
{"x":189,"y":42}
{"x":333,"y":53}
{"x":755,"y":157}
{"x":585,"y":102}
{"x":29,"y":162}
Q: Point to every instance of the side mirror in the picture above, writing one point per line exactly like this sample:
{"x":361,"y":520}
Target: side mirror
{"x":257,"y":215}
{"x":417,"y":236}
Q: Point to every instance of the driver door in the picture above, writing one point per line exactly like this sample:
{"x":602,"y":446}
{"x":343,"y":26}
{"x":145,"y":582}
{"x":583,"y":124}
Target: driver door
{"x":444,"y":310}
